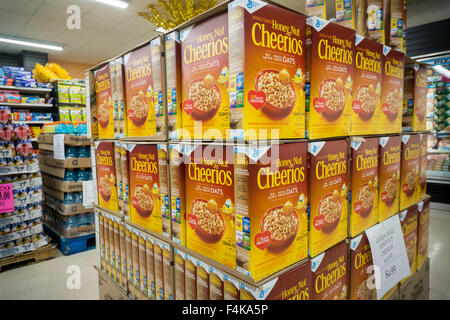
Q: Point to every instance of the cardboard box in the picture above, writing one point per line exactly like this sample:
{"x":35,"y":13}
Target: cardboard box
{"x":69,"y":139}
{"x":178,"y":193}
{"x":180,"y":271}
{"x":267,"y":71}
{"x":106,"y":175}
{"x":105,"y":106}
{"x":389,"y":175}
{"x":159,"y":93}
{"x":150,"y":267}
{"x":271,"y":201}
{"x":420,"y":98}
{"x":47,"y":158}
{"x":205,"y":71}
{"x":409,"y":222}
{"x":328,"y":194}
{"x":108,"y":289}
{"x":202,"y":280}
{"x":409,"y":170}
{"x":360,"y":265}
{"x":62,"y":185}
{"x":417,"y":287}
{"x":330,"y":73}
{"x":53,"y":171}
{"x":423,"y":230}
{"x":363,"y":184}
{"x":330,"y":274}
{"x":173,"y":75}
{"x":421,"y":190}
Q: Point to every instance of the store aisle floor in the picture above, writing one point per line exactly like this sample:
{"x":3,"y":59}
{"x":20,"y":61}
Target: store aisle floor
{"x":47,"y":280}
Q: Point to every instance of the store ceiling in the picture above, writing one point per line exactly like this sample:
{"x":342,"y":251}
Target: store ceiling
{"x":107,"y":31}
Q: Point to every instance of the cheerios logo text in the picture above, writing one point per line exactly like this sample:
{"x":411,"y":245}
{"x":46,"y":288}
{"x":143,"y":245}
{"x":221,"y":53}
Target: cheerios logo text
{"x":140,"y":68}
{"x":210,"y":45}
{"x":211,"y":172}
{"x":294,"y":173}
{"x":368,"y":60}
{"x":333,"y":167}
{"x":144,"y":162}
{"x":298,"y":292}
{"x":335,"y":49}
{"x":334,"y":272}
{"x":394,"y":68}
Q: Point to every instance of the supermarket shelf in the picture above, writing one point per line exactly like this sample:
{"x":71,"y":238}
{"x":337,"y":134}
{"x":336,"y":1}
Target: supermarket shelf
{"x":32,"y":122}
{"x":438,"y":151}
{"x":440,"y":177}
{"x":27,"y":105}
{"x":71,"y":104}
{"x":26,"y":90}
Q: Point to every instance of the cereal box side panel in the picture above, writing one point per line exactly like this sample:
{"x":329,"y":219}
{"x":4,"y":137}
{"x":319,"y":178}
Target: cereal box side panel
{"x":420,"y":99}
{"x":423,"y":233}
{"x":359,"y":264}
{"x":106,"y":175}
{"x":409,"y":170}
{"x":105,"y":105}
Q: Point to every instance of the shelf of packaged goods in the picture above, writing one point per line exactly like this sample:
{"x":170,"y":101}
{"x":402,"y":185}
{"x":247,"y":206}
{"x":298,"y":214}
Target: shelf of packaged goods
{"x":431,"y":151}
{"x":32,"y":122}
{"x":26,"y":90}
{"x":71,"y":104}
{"x":442,"y":177}
{"x":27,"y":105}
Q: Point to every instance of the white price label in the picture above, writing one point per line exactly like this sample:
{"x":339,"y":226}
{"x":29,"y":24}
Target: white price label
{"x":88,"y":194}
{"x":58,"y":146}
{"x":390,"y":259}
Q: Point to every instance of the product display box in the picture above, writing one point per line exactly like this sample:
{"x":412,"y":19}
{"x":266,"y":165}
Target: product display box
{"x":330,"y":274}
{"x":423,"y":230}
{"x":205,"y":71}
{"x":389,"y":176}
{"x":69,"y":139}
{"x":47,"y":158}
{"x":267,"y":71}
{"x":331,"y":49}
{"x":420,"y":98}
{"x":105,"y":106}
{"x":106,"y":175}
{"x":173,"y":77}
{"x":363,"y":184}
{"x":328,"y":194}
{"x":409,"y":223}
{"x":108,"y":289}
{"x":393,"y":69}
{"x":361,"y":275}
{"x":417,"y":287}
{"x":178,"y":193}
{"x":409,"y":170}
{"x":366,"y":104}
{"x":421,"y":190}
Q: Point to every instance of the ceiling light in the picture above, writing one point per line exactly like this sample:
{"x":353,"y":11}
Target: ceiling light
{"x":116,"y":3}
{"x":30,"y":43}
{"x":445,"y":72}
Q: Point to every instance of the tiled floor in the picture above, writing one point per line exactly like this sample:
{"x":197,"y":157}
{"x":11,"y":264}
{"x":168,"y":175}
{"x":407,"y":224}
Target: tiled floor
{"x":50,"y":280}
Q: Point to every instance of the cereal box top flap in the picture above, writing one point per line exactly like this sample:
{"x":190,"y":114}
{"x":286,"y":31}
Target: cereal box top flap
{"x":254,"y":153}
{"x":317,"y":23}
{"x":200,"y":263}
{"x":162,"y":146}
{"x":316,"y":261}
{"x":217,"y":272}
{"x":190,"y":258}
{"x":402,"y":215}
{"x":384,"y":141}
{"x":315,"y":147}
{"x":138,"y":51}
{"x":173,"y":36}
{"x":356,"y":142}
{"x":176,"y":146}
{"x":420,"y":205}
{"x":386,"y":50}
{"x":262,"y":293}
{"x":232,"y":280}
{"x":250,"y":5}
{"x":156,"y":41}
{"x":185,"y":32}
{"x":405,"y":138}
{"x":354,"y":243}
{"x":358,"y":39}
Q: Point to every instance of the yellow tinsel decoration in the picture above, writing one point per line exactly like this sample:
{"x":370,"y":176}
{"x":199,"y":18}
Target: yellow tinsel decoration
{"x":171,"y":13}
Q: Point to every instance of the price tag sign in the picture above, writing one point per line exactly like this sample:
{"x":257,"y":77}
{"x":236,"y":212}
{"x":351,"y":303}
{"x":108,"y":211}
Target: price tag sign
{"x":58,"y":146}
{"x":88,"y":194}
{"x":389,"y":255}
{"x":6,"y":198}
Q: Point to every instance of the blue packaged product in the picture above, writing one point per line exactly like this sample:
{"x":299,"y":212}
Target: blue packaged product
{"x":69,"y":198}
{"x":71,"y":152}
{"x":70,"y":175}
{"x":84,"y":152}
{"x":82,"y":175}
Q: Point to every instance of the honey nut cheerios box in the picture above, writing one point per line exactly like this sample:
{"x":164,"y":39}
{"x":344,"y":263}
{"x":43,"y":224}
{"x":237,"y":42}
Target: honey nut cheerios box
{"x":267,"y":71}
{"x":163,"y":167}
{"x":216,"y":284}
{"x":173,"y":77}
{"x":159,"y":269}
{"x":106,"y":175}
{"x":330,"y":67}
{"x":294,"y":284}
{"x":210,"y":202}
{"x":190,"y":277}
{"x":409,"y":223}
{"x":270,"y":234}
{"x":423,"y":231}
{"x":409,"y":170}
{"x":366,"y":104}
{"x":139,"y":89}
{"x":142,"y":266}
{"x":231,"y":288}
{"x":204,"y":69}
{"x":202,"y":280}
{"x":420,"y":98}
{"x":393,"y":69}
{"x":149,"y":252}
{"x":389,"y":177}
{"x":124,"y":160}
{"x":159,"y":94}
{"x":422,"y":178}
{"x":120,"y":95}
{"x":179,"y":270}
{"x":168,"y":276}
{"x":145,"y":190}
{"x":105,"y":105}
{"x":118,"y":168}
{"x":328,"y":194}
{"x":330,"y":274}
{"x":363,"y":184}
{"x":113,"y":83}
{"x":360,"y":264}
{"x":177,"y":189}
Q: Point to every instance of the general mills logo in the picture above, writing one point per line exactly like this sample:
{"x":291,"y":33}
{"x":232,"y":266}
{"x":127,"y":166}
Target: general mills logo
{"x":317,"y":23}
{"x":249,"y":4}
{"x":314,"y":149}
{"x":261,"y":295}
{"x":314,"y":264}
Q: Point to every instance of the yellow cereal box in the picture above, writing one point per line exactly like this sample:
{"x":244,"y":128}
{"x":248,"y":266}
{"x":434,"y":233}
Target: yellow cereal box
{"x":423,"y":231}
{"x":139,"y":88}
{"x":267,"y":71}
{"x":163,"y":167}
{"x":409,"y":170}
{"x":145,"y":191}
{"x":210,"y":202}
{"x":105,"y":105}
{"x":389,"y":176}
{"x":330,"y":72}
{"x":177,"y":189}
{"x":106,"y":175}
{"x":409,"y":221}
{"x":328,"y":191}
{"x":420,"y":98}
{"x":363,"y":184}
{"x":173,"y":78}
{"x":422,"y":178}
{"x":158,"y":86}
{"x":366,"y":105}
{"x":271,"y":187}
{"x":393,"y":69}
{"x":361,"y":264}
{"x":204,"y":66}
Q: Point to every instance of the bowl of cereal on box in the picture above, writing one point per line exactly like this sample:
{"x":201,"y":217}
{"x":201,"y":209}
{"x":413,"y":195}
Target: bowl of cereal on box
{"x":330,"y":207}
{"x":206,"y":98}
{"x":279,"y":90}
{"x":368,"y":101}
{"x":366,"y":196}
{"x":333,"y":93}
{"x":390,"y":190}
{"x":410,"y":183}
{"x":210,"y":226}
{"x":138,"y":108}
{"x":142,"y":200}
{"x":392,"y":105}
{"x":103,"y":114}
{"x":105,"y":188}
{"x":282,"y":223}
